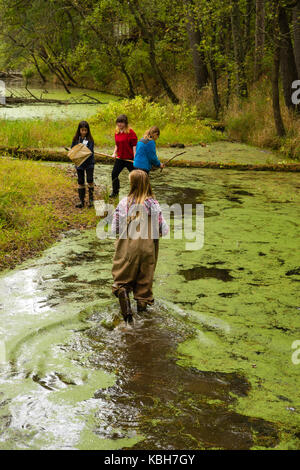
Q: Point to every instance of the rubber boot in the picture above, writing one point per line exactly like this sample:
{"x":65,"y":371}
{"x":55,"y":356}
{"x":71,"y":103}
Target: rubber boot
{"x":125,"y":305}
{"x":81,"y":194}
{"x":91,"y":197}
{"x":141,"y":306}
{"x":115,"y":188}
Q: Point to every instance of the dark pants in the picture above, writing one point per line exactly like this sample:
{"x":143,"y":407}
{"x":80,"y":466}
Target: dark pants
{"x":89,"y":176}
{"x":118,"y":167}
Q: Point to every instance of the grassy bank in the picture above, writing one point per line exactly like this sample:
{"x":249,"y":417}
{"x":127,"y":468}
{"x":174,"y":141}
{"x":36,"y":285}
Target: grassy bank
{"x":37,"y":202}
{"x":178,"y":124}
{"x":250,"y":120}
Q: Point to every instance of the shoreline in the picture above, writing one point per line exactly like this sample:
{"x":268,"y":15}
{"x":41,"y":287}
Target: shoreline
{"x":52,"y":209}
{"x":56,"y":155}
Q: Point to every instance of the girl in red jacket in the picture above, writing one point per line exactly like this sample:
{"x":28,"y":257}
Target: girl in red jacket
{"x":124,"y":152}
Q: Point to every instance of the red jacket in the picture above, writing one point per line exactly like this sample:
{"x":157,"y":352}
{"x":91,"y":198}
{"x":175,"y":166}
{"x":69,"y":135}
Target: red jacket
{"x":125,"y":143}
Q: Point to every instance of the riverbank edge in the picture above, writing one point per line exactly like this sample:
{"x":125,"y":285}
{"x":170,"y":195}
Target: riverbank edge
{"x":67,"y":217}
{"x":61,"y":156}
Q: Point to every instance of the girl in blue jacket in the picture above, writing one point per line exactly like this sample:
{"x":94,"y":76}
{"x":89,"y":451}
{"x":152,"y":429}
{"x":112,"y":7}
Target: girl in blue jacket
{"x":145,"y":156}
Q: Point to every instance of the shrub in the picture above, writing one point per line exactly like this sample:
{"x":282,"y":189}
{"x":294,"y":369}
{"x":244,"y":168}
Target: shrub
{"x":142,"y":110}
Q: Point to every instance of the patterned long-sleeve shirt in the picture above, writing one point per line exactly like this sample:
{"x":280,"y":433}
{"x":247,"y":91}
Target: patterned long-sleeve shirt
{"x":152,"y":208}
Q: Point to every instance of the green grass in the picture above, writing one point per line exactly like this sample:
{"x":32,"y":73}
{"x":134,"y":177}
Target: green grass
{"x":51,"y":134}
{"x":252,"y":121}
{"x":177,"y":123}
{"x":36,"y":203}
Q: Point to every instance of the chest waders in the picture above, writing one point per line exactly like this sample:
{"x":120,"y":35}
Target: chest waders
{"x":133,"y":269}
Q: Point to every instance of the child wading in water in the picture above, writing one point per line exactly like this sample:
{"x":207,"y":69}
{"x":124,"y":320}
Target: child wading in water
{"x":124,"y":152}
{"x":145,"y":156}
{"x":83,"y":135}
{"x":139,"y":223}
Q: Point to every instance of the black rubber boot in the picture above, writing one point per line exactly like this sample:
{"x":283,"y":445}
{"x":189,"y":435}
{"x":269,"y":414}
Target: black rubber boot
{"x":141,"y":306}
{"x":81,"y":194}
{"x":91,"y":197}
{"x":115,"y":187}
{"x":125,"y":305}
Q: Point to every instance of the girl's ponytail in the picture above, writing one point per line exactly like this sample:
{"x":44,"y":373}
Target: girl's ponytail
{"x":151,"y":132}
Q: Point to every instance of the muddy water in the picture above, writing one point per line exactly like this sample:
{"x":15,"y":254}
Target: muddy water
{"x":209,"y":366}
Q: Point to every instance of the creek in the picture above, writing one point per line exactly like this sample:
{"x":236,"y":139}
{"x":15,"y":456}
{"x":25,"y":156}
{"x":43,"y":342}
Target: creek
{"x":208,"y":366}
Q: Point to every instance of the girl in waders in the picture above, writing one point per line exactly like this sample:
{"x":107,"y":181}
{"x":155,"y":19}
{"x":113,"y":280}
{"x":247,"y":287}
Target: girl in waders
{"x":145,"y":156}
{"x":124,"y":152}
{"x":139,"y":223}
{"x":83,"y":135}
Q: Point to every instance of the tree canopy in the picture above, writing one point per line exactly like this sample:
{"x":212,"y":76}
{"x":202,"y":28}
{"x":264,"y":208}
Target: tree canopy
{"x":141,"y":45}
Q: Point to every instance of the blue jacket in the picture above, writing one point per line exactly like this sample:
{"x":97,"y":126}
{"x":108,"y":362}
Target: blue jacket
{"x":90,"y":162}
{"x":145,"y":155}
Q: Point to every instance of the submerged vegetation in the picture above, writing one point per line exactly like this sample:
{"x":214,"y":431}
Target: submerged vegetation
{"x":209,"y":366}
{"x":223,"y":331}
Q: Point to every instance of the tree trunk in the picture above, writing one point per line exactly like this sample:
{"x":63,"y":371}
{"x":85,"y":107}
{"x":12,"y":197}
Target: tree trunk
{"x":287,"y":58}
{"x":238,"y":49}
{"x":200,"y":69}
{"x":247,"y":35}
{"x":228,"y":90}
{"x":194,"y":35}
{"x":275,"y":88}
{"x":275,"y":72}
{"x":54,"y":70}
{"x":38,"y":69}
{"x":61,"y":75}
{"x":296,"y":26}
{"x":145,"y":85}
{"x":60,"y":65}
{"x":159,"y":74}
{"x":148,"y":38}
{"x":214,"y":85}
{"x":68,"y":74}
{"x":129,"y":81}
{"x":259,"y":38}
{"x":119,"y":62}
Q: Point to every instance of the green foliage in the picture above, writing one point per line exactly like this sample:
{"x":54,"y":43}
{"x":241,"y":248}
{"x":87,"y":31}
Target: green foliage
{"x":28,"y":73}
{"x":24,"y":223}
{"x":244,"y":124}
{"x":178,"y":123}
{"x":252,"y":122}
{"x":36,"y":203}
{"x":145,"y":47}
{"x":142,"y":110}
